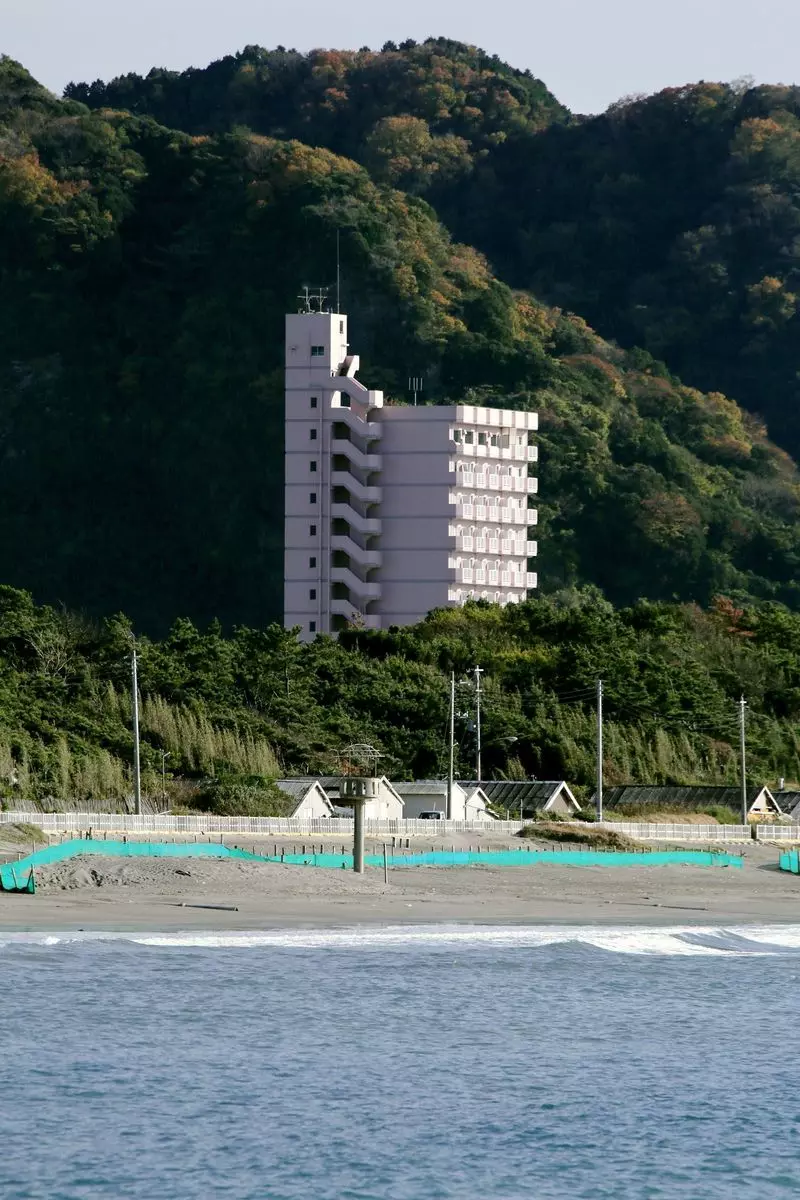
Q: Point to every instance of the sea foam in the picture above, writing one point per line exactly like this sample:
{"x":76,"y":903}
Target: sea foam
{"x":623,"y":939}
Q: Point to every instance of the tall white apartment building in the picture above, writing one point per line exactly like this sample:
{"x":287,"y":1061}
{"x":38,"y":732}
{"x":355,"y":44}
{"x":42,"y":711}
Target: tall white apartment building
{"x":393,"y":510}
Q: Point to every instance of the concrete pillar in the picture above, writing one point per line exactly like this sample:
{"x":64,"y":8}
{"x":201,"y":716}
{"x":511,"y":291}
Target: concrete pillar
{"x":358,"y":835}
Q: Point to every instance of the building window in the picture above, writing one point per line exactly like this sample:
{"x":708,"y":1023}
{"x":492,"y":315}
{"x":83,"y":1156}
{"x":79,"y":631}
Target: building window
{"x":341,"y":327}
{"x":456,"y":435}
{"x":313,"y":464}
{"x":317,"y":351}
{"x":481,"y":439}
{"x":469,"y":437}
{"x":313,"y":401}
{"x":312,"y":531}
{"x":312,"y":433}
{"x":312,"y":562}
{"x":312,"y":626}
{"x":312,"y":593}
{"x":312,"y":497}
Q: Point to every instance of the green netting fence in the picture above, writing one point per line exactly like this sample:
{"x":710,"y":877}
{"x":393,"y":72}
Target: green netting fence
{"x":14,"y":875}
{"x":790,"y":861}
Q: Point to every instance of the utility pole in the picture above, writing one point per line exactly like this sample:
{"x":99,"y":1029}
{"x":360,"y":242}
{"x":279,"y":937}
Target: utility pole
{"x":164,"y":757}
{"x":137,"y":769}
{"x":478,"y":672}
{"x":449,"y":807}
{"x":599,"y":794}
{"x":742,"y":707}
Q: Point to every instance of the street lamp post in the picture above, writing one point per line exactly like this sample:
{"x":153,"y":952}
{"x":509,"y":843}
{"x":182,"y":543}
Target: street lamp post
{"x":137,"y":768}
{"x":478,"y":671}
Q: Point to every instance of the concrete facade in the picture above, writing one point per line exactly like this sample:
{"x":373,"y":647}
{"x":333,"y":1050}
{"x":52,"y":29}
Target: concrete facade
{"x":394,"y":510}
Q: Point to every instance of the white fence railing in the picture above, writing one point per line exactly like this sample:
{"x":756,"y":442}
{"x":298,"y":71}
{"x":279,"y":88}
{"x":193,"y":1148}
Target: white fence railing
{"x":207,"y":824}
{"x":778,"y":833}
{"x":651,"y":831}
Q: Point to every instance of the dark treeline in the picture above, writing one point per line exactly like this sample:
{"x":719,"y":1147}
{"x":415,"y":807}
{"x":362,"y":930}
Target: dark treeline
{"x":671,"y":222}
{"x":232,"y":712}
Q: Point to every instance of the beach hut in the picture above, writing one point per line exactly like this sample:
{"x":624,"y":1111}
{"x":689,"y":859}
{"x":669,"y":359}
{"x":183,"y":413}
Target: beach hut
{"x":310,"y":800}
{"x":675,"y":799}
{"x":527,"y":797}
{"x":789,"y":803}
{"x":430,"y":795}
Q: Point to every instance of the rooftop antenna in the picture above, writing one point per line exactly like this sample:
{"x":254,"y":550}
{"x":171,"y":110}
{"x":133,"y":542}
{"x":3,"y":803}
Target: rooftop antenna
{"x":338,"y":274}
{"x":415,"y":383}
{"x":313,"y":299}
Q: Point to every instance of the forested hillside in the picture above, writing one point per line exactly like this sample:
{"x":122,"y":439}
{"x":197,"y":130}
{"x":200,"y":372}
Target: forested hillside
{"x":670,"y":222}
{"x":232,"y":712}
{"x":144,"y":274}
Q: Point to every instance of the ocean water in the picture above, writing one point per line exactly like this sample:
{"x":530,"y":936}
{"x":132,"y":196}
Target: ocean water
{"x":401,"y":1064}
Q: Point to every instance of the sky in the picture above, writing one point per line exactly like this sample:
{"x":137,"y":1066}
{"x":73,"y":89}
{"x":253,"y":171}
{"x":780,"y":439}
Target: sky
{"x":588,"y":52}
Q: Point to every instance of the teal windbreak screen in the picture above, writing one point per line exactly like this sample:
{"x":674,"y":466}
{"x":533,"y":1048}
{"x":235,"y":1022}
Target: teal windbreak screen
{"x":790,"y":861}
{"x":12,"y":873}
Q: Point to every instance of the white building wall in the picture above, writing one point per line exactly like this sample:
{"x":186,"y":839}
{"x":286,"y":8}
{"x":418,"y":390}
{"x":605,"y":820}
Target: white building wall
{"x":393,"y":511}
{"x":314,"y":805}
{"x":323,"y":402}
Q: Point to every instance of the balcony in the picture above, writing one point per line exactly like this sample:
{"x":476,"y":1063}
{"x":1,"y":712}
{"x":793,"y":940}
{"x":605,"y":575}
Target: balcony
{"x":532,"y":485}
{"x":531,"y":549}
{"x":495,"y":514}
{"x":475,"y":451}
{"x":363,"y":492}
{"x":522,"y":453}
{"x":513,"y":516}
{"x":364,"y":558}
{"x":531,"y":580}
{"x":366,"y":462}
{"x":491,"y":483}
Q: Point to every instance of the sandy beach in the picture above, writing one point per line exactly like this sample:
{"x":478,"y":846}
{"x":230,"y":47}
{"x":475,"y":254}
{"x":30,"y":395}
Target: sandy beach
{"x":98,"y":893}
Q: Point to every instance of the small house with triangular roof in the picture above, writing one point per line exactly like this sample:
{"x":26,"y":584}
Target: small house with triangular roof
{"x":669,"y":799}
{"x":527,"y":797}
{"x":308,"y":795}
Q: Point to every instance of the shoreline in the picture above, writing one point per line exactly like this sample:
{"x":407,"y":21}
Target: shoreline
{"x":150,"y":913}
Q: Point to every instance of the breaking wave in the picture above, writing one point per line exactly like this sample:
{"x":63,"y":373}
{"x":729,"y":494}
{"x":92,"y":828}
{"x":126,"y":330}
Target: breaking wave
{"x":638,"y":940}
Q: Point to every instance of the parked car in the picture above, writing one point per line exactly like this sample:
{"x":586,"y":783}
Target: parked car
{"x":431,"y":814}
